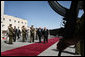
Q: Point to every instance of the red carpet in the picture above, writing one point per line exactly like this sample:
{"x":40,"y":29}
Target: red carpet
{"x":30,"y":50}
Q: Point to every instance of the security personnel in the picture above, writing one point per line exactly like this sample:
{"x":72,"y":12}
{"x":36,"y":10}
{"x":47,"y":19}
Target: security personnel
{"x":11,"y":34}
{"x":23,"y":33}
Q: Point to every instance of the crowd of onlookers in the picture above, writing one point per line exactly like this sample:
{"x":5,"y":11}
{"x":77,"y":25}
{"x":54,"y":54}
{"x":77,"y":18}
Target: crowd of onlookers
{"x":27,"y":34}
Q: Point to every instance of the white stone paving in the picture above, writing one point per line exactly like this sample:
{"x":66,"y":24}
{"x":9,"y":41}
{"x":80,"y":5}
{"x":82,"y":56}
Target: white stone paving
{"x":51,"y":51}
{"x":18,"y":43}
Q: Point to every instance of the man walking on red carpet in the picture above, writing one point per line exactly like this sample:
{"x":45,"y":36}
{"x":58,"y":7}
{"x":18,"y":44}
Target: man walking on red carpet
{"x":45,"y":34}
{"x":39,"y":32}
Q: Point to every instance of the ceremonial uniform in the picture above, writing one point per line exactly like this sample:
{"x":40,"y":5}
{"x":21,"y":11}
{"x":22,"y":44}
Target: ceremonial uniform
{"x":23,"y":34}
{"x":11,"y":34}
{"x":32,"y":34}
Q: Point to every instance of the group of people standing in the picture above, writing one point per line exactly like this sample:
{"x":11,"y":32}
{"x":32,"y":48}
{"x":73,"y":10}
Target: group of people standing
{"x":38,"y":33}
{"x":13,"y":34}
{"x":29,"y":34}
{"x":42,"y":33}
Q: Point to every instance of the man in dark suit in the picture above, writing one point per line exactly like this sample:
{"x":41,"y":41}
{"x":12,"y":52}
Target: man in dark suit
{"x":15,"y":33}
{"x":45,"y":34}
{"x":18,"y":33}
{"x":39,"y":32}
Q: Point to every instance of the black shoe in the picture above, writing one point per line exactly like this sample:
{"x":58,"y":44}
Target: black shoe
{"x":39,"y":42}
{"x":5,"y":42}
{"x":14,"y":41}
{"x":23,"y":41}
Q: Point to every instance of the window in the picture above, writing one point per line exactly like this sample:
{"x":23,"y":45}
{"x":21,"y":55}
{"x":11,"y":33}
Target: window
{"x":14,"y":20}
{"x":9,"y":19}
{"x":3,"y":18}
{"x":22,"y":22}
{"x":3,"y":25}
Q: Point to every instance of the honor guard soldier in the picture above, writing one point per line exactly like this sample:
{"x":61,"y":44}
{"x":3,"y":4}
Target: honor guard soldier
{"x":23,"y":33}
{"x":11,"y":34}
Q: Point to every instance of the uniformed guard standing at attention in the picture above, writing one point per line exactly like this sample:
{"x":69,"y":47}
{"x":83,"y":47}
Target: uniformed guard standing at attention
{"x":11,"y":34}
{"x":32,"y":34}
{"x":23,"y":33}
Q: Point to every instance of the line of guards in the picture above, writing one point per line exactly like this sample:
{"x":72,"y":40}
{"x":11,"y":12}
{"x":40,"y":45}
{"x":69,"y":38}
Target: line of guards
{"x":25,"y":34}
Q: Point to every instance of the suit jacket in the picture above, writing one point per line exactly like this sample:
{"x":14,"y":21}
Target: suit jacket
{"x":45,"y":32}
{"x":15,"y":31}
{"x":18,"y":31}
{"x":39,"y":32}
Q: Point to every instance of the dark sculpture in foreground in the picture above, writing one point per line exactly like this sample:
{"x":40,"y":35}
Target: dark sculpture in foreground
{"x":74,"y":27}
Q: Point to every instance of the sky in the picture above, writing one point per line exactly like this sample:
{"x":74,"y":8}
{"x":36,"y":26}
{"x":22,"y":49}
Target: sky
{"x":37,"y":13}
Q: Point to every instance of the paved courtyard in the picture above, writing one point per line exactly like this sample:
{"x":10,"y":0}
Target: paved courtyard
{"x":51,"y":51}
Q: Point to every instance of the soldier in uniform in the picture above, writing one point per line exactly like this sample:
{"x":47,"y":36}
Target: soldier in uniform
{"x":28,"y":33}
{"x":23,"y":33}
{"x":11,"y":34}
{"x":32,"y":34}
